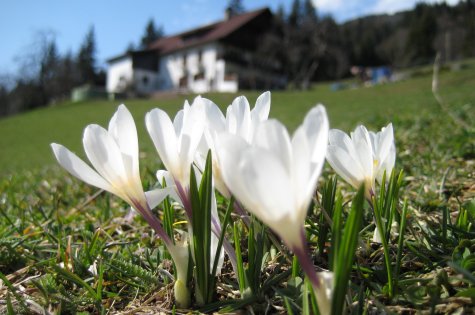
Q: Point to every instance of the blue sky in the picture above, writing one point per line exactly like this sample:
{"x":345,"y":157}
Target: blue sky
{"x":120,"y":22}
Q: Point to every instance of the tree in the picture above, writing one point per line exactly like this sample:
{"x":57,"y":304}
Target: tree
{"x":235,"y":7}
{"x":4,"y":104}
{"x":309,"y":12}
{"x":304,"y":44}
{"x":86,"y":59}
{"x":68,"y":75}
{"x":295,"y":13}
{"x":49,"y":69}
{"x":151,"y":34}
{"x":422,"y":33}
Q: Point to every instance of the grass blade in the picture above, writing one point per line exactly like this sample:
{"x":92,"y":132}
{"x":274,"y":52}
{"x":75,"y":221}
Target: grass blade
{"x":346,"y":252}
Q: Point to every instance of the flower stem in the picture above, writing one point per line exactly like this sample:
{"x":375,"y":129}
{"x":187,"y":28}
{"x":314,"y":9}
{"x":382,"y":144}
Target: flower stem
{"x":302,"y":253}
{"x":152,"y":220}
{"x":242,"y":213}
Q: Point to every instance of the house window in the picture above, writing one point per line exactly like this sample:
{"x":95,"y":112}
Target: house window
{"x":200,"y":56}
{"x":199,"y":76}
{"x":145,"y":81}
{"x":184,"y":61}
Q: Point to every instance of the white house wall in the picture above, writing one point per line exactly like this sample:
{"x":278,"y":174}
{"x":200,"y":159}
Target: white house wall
{"x":145,"y":81}
{"x":223,"y":85}
{"x":172,"y":69}
{"x":119,"y":74}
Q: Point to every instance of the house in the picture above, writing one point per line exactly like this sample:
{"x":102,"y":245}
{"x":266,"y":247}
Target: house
{"x":221,"y":57}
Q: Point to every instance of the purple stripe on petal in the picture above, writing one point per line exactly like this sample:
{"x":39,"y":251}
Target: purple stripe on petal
{"x":185,"y":199}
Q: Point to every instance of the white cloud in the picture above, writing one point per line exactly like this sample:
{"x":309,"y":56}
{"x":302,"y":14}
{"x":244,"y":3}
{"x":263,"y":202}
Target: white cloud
{"x":345,"y":10}
{"x":392,"y":6}
{"x":328,"y":5}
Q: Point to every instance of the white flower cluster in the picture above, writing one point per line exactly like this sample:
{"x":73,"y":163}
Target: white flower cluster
{"x":272,"y":174}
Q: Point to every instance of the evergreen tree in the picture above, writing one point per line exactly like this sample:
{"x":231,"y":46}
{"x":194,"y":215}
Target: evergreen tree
{"x":86,"y":59}
{"x":48,"y":76}
{"x":295,"y":13}
{"x":309,"y":12}
{"x":280,"y":15}
{"x":235,"y":7}
{"x":151,"y":34}
{"x":4,"y":107}
{"x":422,"y":33}
{"x":68,"y":75}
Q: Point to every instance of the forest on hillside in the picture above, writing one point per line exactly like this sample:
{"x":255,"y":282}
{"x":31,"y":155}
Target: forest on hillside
{"x":311,"y":47}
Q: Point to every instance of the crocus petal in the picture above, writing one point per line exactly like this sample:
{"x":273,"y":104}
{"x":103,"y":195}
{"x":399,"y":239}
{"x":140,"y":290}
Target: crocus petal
{"x":229,"y":149}
{"x":156,"y":196}
{"x":340,"y":139}
{"x":163,"y":175}
{"x":345,"y":165}
{"x":105,"y":156}
{"x":362,"y":144}
{"x":386,"y":142}
{"x":302,"y":177}
{"x":213,"y":115}
{"x":273,"y":136}
{"x":79,"y":169}
{"x":316,"y":127}
{"x":238,"y":118}
{"x":269,"y":181}
{"x":387,"y":164}
{"x":122,"y":129}
{"x":164,"y":138}
{"x":261,"y":110}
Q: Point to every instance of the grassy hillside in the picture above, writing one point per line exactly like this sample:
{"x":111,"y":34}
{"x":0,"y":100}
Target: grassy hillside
{"x":66,"y":247}
{"x":25,"y":138}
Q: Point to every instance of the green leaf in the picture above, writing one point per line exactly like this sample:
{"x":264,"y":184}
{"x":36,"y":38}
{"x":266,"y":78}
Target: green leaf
{"x":227,"y":218}
{"x":237,"y":247}
{"x":336,"y":232}
{"x":328,"y":204}
{"x":470,"y":292}
{"x":402,"y":229}
{"x":201,"y":203}
{"x":346,"y":252}
{"x":10,"y":310}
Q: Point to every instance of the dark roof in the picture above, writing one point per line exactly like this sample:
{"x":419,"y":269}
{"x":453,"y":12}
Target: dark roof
{"x":205,"y":34}
{"x":129,"y":54}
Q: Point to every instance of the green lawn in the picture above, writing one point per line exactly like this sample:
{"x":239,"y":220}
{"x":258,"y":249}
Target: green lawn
{"x":25,"y":138}
{"x":55,"y":228}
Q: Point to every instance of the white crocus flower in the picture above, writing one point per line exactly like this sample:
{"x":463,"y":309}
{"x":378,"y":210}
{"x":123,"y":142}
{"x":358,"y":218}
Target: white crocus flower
{"x":362,"y":157}
{"x":164,"y":176}
{"x":176,"y":142}
{"x":114,"y":155}
{"x":275,"y":178}
{"x":240,"y":120}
